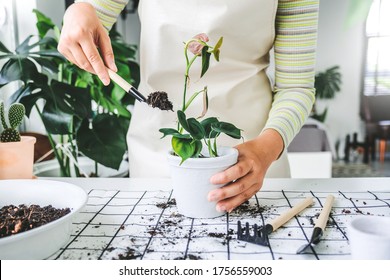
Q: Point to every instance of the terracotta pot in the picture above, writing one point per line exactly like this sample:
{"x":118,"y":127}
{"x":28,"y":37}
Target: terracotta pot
{"x":17,"y":159}
{"x":191,"y":182}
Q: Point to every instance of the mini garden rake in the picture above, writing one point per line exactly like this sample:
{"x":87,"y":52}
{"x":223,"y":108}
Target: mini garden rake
{"x":260,"y":234}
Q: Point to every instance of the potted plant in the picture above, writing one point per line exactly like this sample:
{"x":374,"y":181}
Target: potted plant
{"x":327,"y":84}
{"x":16,"y":152}
{"x":195,"y":155}
{"x":81,"y":116}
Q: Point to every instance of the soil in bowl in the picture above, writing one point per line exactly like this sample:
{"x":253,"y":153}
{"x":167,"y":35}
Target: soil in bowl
{"x":16,"y":219}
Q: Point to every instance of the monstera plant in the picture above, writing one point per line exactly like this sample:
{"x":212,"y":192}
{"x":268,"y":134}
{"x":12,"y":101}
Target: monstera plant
{"x":80,"y":114}
{"x":327,"y":85}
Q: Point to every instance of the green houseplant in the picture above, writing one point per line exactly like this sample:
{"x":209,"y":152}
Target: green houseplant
{"x":80,"y":115}
{"x":327,"y":84}
{"x":16,"y":152}
{"x":195,"y":154}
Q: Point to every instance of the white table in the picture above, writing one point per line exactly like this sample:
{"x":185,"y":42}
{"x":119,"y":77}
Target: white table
{"x":133,"y":219}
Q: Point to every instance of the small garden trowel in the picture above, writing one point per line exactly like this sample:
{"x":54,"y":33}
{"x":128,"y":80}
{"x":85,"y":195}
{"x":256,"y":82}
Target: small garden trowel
{"x":157,"y":99}
{"x":126,"y":86}
{"x":319,"y":226}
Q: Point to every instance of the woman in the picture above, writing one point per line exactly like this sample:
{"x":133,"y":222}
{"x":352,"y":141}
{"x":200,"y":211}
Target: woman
{"x":239,"y":89}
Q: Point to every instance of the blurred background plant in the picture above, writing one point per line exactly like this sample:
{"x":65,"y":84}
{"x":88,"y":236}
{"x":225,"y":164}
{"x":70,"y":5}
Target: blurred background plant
{"x":81,"y":116}
{"x":327,"y":83}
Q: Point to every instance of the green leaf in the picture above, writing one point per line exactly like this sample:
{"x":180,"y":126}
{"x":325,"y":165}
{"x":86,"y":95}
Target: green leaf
{"x":62,"y":103}
{"x":173,"y":132}
{"x":216,"y":54}
{"x":218,"y":44}
{"x":205,"y":103}
{"x":197,"y":148}
{"x":10,"y":55}
{"x":56,"y":121}
{"x":18,"y":70}
{"x":47,"y":64}
{"x":122,"y":50}
{"x":134,"y":72}
{"x":70,"y":99}
{"x":102,"y":96}
{"x":24,"y":46}
{"x":123,"y":70}
{"x":47,"y":47}
{"x":205,"y":60}
{"x":44,"y":24}
{"x":217,"y":50}
{"x":227,"y":128}
{"x":195,"y":129}
{"x":181,"y":117}
{"x":105,"y":141}
{"x":327,"y":83}
{"x":168,"y":131}
{"x":24,"y":95}
{"x":4,"y":49}
{"x":184,"y":148}
{"x":207,"y":123}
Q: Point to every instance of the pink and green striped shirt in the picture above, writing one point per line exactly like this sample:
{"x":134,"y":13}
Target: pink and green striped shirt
{"x":295,"y":53}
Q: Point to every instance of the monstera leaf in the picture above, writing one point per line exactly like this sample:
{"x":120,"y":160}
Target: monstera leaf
{"x":104,"y":140}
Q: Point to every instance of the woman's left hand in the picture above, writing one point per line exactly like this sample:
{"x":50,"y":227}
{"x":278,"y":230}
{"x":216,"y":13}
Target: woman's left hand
{"x":245,"y":178}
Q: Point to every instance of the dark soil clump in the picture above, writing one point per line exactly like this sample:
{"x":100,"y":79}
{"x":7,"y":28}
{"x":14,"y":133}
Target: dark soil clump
{"x":129,"y":254}
{"x":164,"y":205}
{"x":159,"y":99}
{"x":189,"y":257}
{"x":249,"y":209}
{"x":16,"y":219}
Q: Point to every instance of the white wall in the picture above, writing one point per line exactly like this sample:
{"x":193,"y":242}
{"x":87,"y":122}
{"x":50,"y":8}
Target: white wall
{"x":343,"y":46}
{"x":8,"y":35}
{"x":130,"y":28}
{"x":20,"y":24}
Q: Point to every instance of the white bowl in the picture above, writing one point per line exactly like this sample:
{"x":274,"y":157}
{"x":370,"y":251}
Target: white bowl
{"x":43,"y":241}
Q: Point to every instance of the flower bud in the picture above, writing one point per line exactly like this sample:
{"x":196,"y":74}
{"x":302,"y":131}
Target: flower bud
{"x":196,"y":47}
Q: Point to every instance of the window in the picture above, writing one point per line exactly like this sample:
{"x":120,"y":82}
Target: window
{"x":377,"y":68}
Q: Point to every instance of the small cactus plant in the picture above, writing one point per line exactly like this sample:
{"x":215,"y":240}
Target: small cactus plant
{"x":15,"y":117}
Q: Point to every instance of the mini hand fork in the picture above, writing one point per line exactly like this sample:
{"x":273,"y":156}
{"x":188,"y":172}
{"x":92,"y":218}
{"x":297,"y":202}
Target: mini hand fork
{"x":260,"y":234}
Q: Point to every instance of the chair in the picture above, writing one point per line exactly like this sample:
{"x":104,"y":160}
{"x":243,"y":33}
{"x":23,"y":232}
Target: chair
{"x":310,"y":153}
{"x":376,"y":114}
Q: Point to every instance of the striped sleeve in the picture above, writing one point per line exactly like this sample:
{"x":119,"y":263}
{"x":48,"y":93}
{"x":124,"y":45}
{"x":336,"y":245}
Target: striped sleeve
{"x":107,"y":10}
{"x":295,"y":46}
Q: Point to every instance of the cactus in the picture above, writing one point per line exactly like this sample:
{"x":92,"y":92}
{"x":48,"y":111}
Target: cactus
{"x":15,"y":117}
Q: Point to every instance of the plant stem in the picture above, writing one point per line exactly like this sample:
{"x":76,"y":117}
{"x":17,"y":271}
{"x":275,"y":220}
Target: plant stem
{"x":192,"y":99}
{"x":188,"y":66}
{"x":53,"y":146}
{"x":215,"y":147}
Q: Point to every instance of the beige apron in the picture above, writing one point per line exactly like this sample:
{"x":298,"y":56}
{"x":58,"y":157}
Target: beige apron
{"x":238,"y":87}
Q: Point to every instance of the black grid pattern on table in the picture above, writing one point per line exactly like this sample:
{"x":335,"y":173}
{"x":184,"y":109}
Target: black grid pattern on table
{"x":144,"y":225}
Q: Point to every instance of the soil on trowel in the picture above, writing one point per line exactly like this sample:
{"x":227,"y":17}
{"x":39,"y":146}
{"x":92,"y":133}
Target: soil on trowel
{"x":16,"y":219}
{"x":159,"y":99}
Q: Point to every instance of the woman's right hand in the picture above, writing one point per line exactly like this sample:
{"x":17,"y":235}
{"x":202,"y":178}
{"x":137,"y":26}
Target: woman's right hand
{"x":85,"y":42}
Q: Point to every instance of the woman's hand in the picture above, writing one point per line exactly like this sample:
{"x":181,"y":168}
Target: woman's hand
{"x":83,"y":37}
{"x":246,"y":177}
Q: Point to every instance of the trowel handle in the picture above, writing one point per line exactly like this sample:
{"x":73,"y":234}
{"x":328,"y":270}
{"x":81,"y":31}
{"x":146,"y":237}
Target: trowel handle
{"x":323,"y":218}
{"x":287,"y":215}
